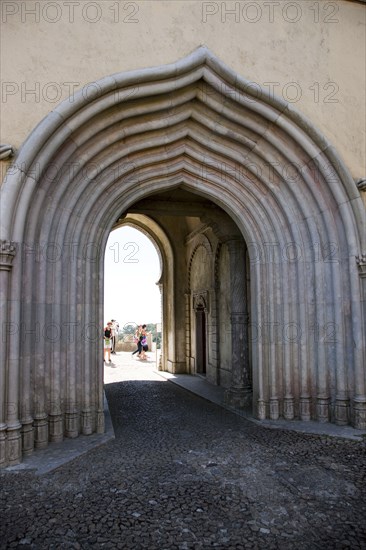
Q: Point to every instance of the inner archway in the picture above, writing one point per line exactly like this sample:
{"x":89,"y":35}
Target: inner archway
{"x":199,"y":126}
{"x":199,"y":284}
{"x":133,"y":268}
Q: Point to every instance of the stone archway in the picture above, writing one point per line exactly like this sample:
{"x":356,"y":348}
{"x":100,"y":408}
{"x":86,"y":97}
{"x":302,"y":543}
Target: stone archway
{"x":198,"y":124}
{"x":163,"y":247}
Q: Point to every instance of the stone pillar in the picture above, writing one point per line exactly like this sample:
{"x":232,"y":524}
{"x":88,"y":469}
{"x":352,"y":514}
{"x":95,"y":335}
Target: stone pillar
{"x":187,"y":305}
{"x":240,"y":392}
{"x":161,"y":361}
{"x":10,"y":438}
{"x":359,"y":400}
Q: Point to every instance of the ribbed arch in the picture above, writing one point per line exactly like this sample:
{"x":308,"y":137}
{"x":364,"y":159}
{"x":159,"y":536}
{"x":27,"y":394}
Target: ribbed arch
{"x":197,"y":125}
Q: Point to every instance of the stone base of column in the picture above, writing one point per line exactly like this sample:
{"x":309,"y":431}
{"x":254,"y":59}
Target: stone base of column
{"x":342,"y":412}
{"x":87,"y":422}
{"x":239,"y":398}
{"x":261,"y":409}
{"x":160,"y":366}
{"x":322,"y":409}
{"x":3,"y":445}
{"x":288,"y":408}
{"x":274,"y":408}
{"x":71,"y":424}
{"x":100,"y":422}
{"x":305,"y":413}
{"x":27,"y":436}
{"x":56,"y":427}
{"x":14,"y":445}
{"x":359,"y":413}
{"x":41,"y":431}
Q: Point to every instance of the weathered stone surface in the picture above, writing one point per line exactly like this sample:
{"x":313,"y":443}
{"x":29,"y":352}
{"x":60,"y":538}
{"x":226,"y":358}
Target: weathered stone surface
{"x":252,"y":162}
{"x":183,"y":473}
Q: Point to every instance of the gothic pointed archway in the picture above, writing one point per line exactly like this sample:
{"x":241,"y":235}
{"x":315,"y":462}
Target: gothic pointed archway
{"x":199,"y":125}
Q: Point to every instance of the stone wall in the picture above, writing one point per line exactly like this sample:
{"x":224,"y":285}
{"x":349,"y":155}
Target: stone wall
{"x":196,"y":127}
{"x":309,"y":54}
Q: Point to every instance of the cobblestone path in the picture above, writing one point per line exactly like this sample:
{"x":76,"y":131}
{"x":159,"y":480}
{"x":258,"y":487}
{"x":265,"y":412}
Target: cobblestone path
{"x":184,"y":473}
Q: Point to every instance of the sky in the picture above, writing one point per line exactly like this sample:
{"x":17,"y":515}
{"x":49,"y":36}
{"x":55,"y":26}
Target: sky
{"x":131,"y":271}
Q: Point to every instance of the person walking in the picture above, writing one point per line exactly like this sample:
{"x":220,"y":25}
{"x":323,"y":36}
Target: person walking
{"x":138,"y":338}
{"x":107,"y":342}
{"x":144,"y":346}
{"x":114,"y":336}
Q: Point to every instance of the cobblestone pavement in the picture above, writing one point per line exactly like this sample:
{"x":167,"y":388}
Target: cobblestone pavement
{"x":184,"y":473}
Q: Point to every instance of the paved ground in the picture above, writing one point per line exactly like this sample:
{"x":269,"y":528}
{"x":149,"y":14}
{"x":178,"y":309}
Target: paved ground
{"x":183,"y":473}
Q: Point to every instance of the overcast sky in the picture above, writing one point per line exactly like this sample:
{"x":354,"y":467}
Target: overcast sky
{"x":132,"y":269}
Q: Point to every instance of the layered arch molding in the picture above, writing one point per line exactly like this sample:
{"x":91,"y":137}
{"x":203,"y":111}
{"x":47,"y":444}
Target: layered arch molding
{"x":198,"y":125}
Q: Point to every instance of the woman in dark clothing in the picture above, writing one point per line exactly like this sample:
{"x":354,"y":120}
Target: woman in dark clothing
{"x":138,"y":338}
{"x":108,"y":342}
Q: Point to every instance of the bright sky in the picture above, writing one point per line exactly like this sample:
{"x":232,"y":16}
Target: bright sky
{"x":131,"y":270}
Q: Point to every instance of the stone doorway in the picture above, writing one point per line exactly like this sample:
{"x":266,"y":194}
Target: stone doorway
{"x":196,"y":125}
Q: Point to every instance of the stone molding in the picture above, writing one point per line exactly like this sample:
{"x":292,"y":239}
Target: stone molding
{"x":200,"y":299}
{"x":361,"y":184}
{"x":361,"y":263}
{"x":6,"y":151}
{"x":8,"y":251}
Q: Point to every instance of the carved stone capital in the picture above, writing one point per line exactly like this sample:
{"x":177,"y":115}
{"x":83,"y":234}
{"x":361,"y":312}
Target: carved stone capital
{"x":200,"y":300}
{"x":6,"y":151}
{"x":7,"y":252}
{"x":361,"y":184}
{"x":361,"y":263}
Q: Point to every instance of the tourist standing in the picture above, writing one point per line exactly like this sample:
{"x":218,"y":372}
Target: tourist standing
{"x":107,"y":342}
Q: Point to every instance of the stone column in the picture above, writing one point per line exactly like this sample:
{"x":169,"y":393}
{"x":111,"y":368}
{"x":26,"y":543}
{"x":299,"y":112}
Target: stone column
{"x":159,"y":365}
{"x":10,"y":438}
{"x":240,"y":392}
{"x":359,"y":400}
{"x":187,"y":305}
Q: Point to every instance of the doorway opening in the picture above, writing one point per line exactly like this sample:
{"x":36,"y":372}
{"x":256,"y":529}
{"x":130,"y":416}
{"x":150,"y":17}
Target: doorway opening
{"x":132,"y":294}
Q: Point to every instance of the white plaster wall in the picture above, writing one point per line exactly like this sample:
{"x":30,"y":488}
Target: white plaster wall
{"x":51,"y":49}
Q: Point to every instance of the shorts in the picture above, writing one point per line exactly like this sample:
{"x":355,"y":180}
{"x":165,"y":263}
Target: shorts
{"x":107,"y":343}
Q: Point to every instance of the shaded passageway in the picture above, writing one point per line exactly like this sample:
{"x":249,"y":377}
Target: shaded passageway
{"x":183,"y":473}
